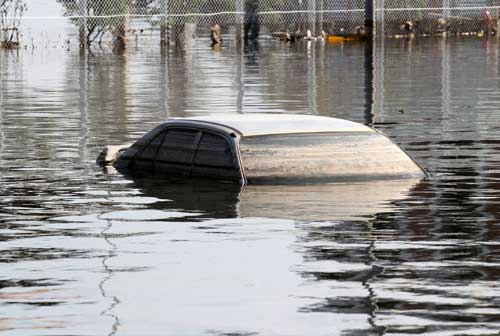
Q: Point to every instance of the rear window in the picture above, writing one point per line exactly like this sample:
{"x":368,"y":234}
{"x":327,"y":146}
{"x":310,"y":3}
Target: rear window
{"x":342,"y":155}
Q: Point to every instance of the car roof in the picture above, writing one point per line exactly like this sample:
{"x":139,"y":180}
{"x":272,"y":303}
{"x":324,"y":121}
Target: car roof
{"x":255,"y":124}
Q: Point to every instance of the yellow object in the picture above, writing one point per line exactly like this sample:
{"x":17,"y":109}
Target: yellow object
{"x":345,"y":38}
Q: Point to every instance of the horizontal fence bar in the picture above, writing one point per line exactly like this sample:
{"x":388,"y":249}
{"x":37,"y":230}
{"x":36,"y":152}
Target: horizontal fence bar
{"x":334,"y":11}
{"x":437,"y":8}
{"x":182,"y":15}
{"x":114,"y":16}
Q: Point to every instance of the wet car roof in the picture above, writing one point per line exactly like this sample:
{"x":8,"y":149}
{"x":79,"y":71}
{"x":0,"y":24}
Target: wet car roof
{"x":255,"y":124}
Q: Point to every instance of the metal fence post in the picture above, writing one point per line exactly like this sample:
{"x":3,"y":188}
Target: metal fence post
{"x":240,"y":13}
{"x":380,"y":18}
{"x":320,"y":17}
{"x":311,"y":13}
{"x":164,"y":38}
{"x":496,"y":10}
{"x":369,"y":18}
{"x":446,"y":9}
{"x":83,"y":10}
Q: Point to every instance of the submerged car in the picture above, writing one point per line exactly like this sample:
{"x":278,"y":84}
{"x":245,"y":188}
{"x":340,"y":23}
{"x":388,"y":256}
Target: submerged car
{"x":264,"y":148}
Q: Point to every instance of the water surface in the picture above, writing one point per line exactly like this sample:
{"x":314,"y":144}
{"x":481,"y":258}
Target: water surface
{"x":88,"y":253}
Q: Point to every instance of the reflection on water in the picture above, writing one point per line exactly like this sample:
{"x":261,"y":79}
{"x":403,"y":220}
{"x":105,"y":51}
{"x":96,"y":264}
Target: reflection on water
{"x":339,"y":202}
{"x":310,"y":202}
{"x":86,"y":253}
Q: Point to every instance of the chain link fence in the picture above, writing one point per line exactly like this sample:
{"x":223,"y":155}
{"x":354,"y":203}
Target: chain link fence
{"x":115,"y":23}
{"x":428,"y":17}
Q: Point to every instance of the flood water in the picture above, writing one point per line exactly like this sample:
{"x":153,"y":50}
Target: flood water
{"x":84,"y":252}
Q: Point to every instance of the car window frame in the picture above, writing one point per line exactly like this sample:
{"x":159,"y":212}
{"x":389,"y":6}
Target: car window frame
{"x":229,"y":136}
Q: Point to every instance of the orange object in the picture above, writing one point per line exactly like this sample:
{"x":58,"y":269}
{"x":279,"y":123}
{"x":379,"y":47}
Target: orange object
{"x":345,"y":38}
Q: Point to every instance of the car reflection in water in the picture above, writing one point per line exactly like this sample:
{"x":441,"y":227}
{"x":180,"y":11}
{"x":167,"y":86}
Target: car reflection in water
{"x":306,"y":202}
{"x":333,"y":222}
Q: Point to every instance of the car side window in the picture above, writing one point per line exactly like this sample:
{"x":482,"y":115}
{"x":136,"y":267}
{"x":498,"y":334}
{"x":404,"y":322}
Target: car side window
{"x":214,"y":151}
{"x":215,"y":157}
{"x":176,"y":153}
{"x":178,"y":146}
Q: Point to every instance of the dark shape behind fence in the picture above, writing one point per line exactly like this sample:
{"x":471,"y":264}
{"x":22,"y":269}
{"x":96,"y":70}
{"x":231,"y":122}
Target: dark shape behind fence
{"x":252,"y":22}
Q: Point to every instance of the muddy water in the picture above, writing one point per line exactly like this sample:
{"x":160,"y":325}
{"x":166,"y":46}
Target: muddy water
{"x":88,"y":253}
